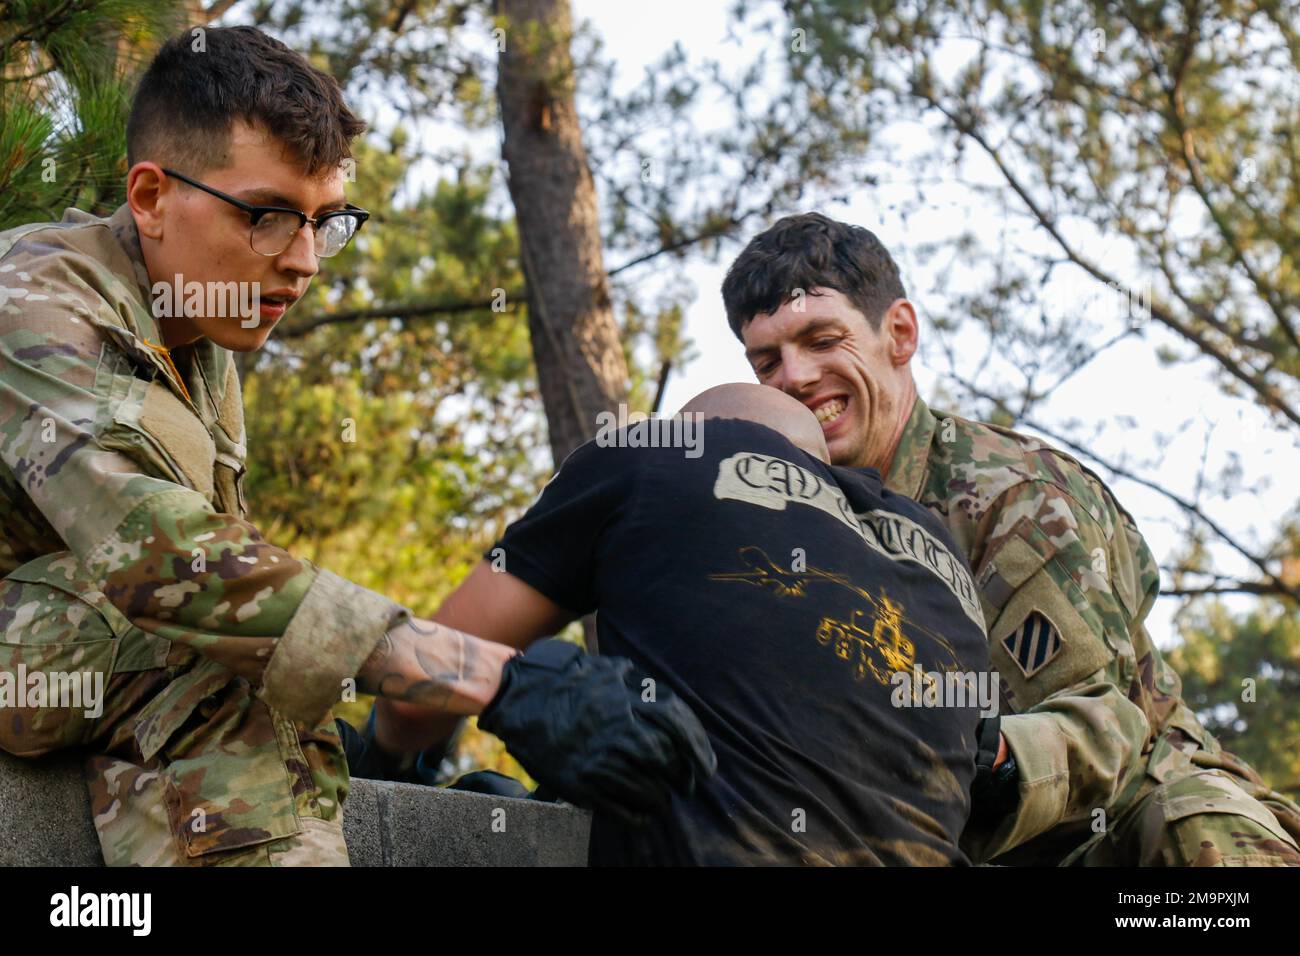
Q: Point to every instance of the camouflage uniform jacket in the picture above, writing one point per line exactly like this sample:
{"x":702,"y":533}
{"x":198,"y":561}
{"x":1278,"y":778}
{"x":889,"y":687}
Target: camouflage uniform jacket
{"x":106,"y":451}
{"x":1065,"y":582}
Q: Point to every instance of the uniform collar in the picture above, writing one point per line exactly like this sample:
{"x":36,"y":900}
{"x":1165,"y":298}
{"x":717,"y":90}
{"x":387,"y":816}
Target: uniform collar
{"x":907,"y":471}
{"x":139,"y":324}
{"x":122,"y":225}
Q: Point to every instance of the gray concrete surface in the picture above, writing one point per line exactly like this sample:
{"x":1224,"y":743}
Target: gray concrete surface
{"x":45,"y":821}
{"x":45,"y":814}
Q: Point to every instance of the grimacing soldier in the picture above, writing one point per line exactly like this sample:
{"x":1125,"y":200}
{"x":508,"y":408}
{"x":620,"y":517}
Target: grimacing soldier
{"x":1093,"y":717}
{"x":126,"y":556}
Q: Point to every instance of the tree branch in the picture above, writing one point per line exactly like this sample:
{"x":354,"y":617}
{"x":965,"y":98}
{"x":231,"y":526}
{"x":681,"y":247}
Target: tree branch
{"x":1226,"y":232}
{"x":217,"y":8}
{"x":1243,"y":588}
{"x":408,"y":311}
{"x":1190,"y":507}
{"x":1257,"y":384}
{"x":661,"y":386}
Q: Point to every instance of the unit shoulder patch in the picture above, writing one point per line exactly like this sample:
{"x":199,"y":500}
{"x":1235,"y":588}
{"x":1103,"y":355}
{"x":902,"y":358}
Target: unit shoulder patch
{"x":1034,"y":643}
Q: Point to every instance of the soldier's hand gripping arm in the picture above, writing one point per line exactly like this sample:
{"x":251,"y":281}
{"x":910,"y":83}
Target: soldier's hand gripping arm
{"x":1063,"y":584}
{"x":577,"y":723}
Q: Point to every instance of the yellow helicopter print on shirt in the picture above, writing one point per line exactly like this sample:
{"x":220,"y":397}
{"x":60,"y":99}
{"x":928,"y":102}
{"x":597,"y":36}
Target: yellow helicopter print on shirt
{"x":871,"y":638}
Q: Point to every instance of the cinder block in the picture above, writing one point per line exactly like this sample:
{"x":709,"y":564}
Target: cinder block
{"x":45,"y":821}
{"x":455,"y":828}
{"x":45,"y":813}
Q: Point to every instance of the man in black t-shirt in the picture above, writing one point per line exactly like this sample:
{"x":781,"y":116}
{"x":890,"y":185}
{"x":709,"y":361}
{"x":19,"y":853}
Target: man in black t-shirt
{"x":822,"y":628}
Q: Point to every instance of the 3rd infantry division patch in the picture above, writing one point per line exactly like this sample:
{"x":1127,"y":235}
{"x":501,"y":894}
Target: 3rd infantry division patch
{"x":1033,"y":643}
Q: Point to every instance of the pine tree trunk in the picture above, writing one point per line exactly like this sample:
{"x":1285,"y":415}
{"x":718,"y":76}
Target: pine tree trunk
{"x":581,"y":369}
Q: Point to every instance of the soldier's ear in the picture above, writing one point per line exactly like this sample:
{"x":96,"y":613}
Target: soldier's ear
{"x":146,"y":193}
{"x":899,"y":325}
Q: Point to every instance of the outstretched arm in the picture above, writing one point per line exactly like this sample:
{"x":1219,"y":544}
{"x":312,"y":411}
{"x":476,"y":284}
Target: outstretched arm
{"x":435,"y":668}
{"x":500,"y":607}
{"x":576,"y":723}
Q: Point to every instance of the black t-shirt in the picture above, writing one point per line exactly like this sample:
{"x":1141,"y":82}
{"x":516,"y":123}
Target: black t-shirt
{"x":777,"y":596}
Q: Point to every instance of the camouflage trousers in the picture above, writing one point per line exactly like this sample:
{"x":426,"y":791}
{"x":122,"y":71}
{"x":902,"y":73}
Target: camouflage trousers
{"x":186,"y":765}
{"x":1197,"y":806}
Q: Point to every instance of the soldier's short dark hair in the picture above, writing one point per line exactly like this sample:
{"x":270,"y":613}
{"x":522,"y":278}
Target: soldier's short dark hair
{"x":809,"y":251}
{"x":200,"y":83}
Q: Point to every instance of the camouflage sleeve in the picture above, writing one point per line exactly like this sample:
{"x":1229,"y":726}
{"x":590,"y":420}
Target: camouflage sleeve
{"x":72,"y":438}
{"x":1063,"y":586}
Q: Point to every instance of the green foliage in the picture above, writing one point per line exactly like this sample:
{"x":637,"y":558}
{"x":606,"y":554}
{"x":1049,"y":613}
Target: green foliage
{"x":66,"y":70}
{"x":1227,"y":659}
{"x":1167,"y":131}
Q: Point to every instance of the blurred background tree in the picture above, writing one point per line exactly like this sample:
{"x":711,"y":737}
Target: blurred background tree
{"x":66,"y":75}
{"x":1241,"y":674}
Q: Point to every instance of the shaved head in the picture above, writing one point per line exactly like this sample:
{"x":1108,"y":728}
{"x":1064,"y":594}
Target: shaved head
{"x":764,"y":406}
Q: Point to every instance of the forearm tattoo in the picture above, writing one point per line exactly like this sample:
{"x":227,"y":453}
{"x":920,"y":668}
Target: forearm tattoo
{"x":420,"y":663}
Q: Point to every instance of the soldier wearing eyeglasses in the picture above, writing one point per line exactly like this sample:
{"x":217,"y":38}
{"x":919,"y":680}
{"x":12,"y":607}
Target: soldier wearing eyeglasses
{"x":124,"y":548}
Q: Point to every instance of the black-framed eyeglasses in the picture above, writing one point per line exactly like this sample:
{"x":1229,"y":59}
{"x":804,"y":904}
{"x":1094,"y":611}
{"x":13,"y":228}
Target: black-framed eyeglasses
{"x":275,"y":227}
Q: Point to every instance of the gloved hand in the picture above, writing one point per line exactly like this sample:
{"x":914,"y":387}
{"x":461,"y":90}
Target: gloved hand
{"x":995,"y":793}
{"x":367,"y":759}
{"x":492,"y":783}
{"x":578,"y":725}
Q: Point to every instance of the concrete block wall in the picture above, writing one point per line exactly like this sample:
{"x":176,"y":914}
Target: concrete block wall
{"x":45,"y":821}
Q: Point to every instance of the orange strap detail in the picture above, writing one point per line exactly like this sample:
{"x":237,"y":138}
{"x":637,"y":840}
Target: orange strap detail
{"x":167,"y":357}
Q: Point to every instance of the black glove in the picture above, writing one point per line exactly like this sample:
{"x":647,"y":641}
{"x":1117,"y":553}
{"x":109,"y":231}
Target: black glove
{"x":578,"y":725}
{"x":368,"y":760}
{"x":492,"y":783}
{"x":994,"y":793}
